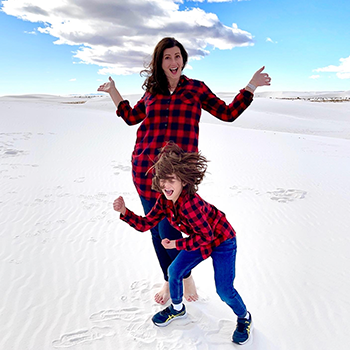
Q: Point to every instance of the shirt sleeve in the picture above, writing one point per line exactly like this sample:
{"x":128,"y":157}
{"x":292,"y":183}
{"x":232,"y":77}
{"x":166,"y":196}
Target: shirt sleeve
{"x":144,"y":223}
{"x":219,"y":109}
{"x":202,"y":233}
{"x":132,"y":116}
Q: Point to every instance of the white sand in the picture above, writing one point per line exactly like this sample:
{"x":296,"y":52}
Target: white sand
{"x":74,"y":276}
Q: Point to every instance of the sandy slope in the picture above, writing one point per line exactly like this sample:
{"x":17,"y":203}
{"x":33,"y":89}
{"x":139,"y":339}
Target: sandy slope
{"x":74,"y":276}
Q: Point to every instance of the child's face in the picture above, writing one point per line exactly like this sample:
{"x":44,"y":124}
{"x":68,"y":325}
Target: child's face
{"x":171,"y":187}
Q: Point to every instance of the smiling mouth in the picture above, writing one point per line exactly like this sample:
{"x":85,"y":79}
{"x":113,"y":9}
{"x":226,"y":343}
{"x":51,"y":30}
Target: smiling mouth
{"x":174,"y":70}
{"x":168,"y":192}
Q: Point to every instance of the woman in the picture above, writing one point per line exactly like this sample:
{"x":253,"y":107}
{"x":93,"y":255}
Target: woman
{"x":170,"y":110}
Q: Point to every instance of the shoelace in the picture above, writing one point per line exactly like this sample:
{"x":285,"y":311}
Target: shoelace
{"x":242,"y":324}
{"x":167,"y":311}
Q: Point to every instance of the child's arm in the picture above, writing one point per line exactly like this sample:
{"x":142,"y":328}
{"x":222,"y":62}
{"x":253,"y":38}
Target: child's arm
{"x":139,"y":223}
{"x":119,"y":205}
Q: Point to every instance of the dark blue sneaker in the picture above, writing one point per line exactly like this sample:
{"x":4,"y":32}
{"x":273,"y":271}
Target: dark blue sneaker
{"x":163,"y":318}
{"x":243,"y":330}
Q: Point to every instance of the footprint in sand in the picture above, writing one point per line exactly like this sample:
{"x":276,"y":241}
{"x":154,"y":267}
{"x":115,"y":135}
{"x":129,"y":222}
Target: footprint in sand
{"x":136,"y":320}
{"x":284,"y":196}
{"x":223,"y":331}
{"x":121,"y":167}
{"x":140,"y":290}
{"x":236,"y":190}
{"x":142,"y":331}
{"x":12,"y":153}
{"x":126,"y":314}
{"x":72,"y":339}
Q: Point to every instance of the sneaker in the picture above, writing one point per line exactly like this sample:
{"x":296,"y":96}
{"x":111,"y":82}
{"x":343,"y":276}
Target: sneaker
{"x":242,"y":333}
{"x":163,"y":318}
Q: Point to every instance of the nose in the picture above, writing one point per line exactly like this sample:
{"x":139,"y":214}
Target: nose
{"x":164,"y":183}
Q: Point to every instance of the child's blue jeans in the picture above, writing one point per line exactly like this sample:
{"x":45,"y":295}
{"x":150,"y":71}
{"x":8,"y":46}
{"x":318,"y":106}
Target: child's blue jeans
{"x":224,"y":259}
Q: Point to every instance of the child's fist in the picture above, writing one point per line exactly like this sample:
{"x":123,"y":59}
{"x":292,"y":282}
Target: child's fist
{"x":168,"y":244}
{"x":119,"y":205}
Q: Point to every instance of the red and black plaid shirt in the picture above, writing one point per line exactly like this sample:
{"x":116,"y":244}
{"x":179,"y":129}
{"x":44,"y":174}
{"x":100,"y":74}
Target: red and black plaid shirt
{"x":206,"y":226}
{"x":173,"y":117}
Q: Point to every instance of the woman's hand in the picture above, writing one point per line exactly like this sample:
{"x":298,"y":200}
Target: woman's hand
{"x":119,"y":205}
{"x":107,"y":87}
{"x":260,"y":78}
{"x":110,"y":88}
{"x":168,"y":244}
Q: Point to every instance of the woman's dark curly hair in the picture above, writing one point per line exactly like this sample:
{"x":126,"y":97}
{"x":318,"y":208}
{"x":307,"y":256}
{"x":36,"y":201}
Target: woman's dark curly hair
{"x":188,"y":167}
{"x":156,"y":81}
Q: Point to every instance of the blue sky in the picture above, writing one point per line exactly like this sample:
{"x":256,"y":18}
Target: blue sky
{"x":72,"y":46}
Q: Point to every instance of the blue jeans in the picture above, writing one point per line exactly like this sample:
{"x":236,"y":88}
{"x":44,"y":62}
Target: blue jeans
{"x":159,"y":232}
{"x":224,"y":259}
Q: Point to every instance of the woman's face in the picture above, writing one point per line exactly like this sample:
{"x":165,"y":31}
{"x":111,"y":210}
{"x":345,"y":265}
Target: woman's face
{"x":172,"y":64}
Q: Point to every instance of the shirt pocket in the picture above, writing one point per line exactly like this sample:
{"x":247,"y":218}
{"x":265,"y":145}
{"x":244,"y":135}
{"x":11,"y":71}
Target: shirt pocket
{"x":190,"y":106}
{"x":189,"y":99}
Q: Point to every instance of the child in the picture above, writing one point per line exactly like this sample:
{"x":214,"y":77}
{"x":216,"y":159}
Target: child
{"x":177,"y":176}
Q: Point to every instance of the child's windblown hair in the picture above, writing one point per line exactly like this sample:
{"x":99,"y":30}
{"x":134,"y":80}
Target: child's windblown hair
{"x":188,"y":167}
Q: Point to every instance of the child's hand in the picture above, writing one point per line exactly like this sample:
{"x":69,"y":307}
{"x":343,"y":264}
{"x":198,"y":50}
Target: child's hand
{"x":119,"y":205}
{"x":168,"y":244}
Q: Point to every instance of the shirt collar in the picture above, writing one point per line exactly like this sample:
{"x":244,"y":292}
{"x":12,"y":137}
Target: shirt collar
{"x":183,"y":80}
{"x":182,"y":198}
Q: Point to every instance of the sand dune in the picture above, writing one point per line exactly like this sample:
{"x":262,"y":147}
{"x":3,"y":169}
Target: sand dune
{"x":74,"y":276}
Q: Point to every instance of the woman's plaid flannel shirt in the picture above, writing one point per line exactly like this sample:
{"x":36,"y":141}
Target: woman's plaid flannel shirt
{"x":206,"y":226}
{"x":173,"y":117}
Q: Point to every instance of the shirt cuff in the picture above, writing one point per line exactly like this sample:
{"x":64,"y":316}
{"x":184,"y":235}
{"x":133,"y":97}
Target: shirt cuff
{"x":179,"y":244}
{"x":126,"y":216}
{"x":247,"y":94}
{"x":121,"y":107}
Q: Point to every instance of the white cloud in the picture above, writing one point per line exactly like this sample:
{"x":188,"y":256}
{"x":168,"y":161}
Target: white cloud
{"x":119,"y":36}
{"x":342,"y":71}
{"x":269,"y":40}
{"x":315,"y":76}
{"x":215,"y":0}
{"x":73,"y":79}
{"x":224,"y":0}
